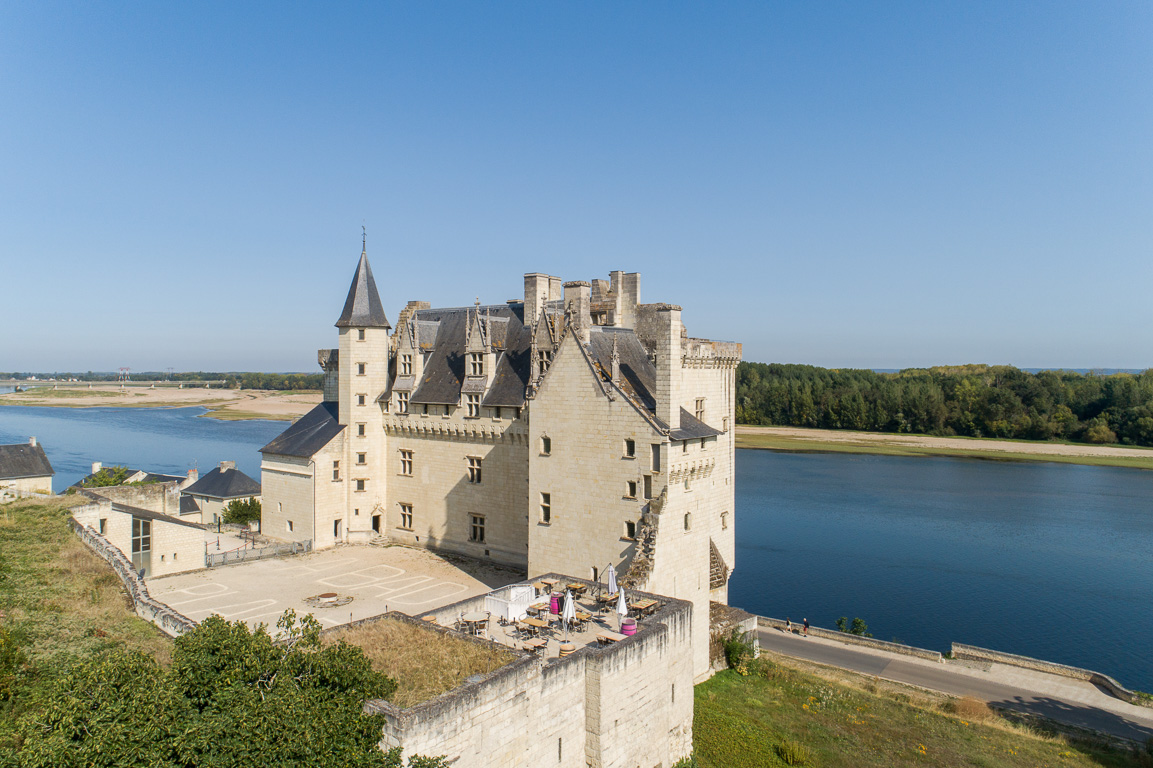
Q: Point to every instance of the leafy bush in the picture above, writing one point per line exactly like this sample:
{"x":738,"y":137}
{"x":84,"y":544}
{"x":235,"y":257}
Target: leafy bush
{"x":242,"y":511}
{"x":12,"y":662}
{"x":739,"y":651}
{"x":108,"y":476}
{"x":793,"y":753}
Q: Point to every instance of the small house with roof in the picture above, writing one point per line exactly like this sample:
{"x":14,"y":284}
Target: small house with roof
{"x":206,"y":498}
{"x":24,"y":468}
{"x":157,"y":544}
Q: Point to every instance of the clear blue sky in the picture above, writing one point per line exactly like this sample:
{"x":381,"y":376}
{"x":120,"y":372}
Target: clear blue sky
{"x":843,"y":184}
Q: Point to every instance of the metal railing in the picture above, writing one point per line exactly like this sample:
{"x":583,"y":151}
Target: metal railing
{"x":214,"y":559}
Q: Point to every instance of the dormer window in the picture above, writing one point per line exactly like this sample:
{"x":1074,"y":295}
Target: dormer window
{"x":544,"y":356}
{"x":406,"y":365}
{"x":475,"y":364}
{"x":402,"y":402}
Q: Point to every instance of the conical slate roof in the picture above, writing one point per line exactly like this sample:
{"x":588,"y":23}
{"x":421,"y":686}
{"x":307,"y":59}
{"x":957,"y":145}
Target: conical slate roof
{"x":362,"y":308}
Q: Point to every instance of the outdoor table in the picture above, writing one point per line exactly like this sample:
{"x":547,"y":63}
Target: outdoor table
{"x":577,"y":589}
{"x":550,"y":583}
{"x":478,"y":621}
{"x":645,"y":606}
{"x":582,"y":616}
{"x":540,"y":586}
{"x":608,"y":598}
{"x":604,"y":638}
{"x":535,"y":644}
{"x":538,"y":607}
{"x":536,"y":624}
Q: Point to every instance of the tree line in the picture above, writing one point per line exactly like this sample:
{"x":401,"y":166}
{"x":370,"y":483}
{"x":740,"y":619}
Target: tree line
{"x":231,"y":379}
{"x":972,"y":400}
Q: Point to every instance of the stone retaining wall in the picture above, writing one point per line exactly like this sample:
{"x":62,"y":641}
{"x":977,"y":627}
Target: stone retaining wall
{"x":972,"y":652}
{"x":868,"y":642}
{"x":170,"y":621}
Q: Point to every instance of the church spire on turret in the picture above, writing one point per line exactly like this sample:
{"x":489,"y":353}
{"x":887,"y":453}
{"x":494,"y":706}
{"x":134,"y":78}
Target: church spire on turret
{"x":362,"y":308}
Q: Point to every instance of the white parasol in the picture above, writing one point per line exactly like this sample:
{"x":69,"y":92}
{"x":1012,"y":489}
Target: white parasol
{"x":612,"y":580}
{"x":622,"y":607}
{"x":567,"y":612}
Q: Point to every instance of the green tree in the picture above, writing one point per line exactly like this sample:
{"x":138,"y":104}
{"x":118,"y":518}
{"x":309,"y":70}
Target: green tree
{"x":232,"y":696}
{"x":242,"y":511}
{"x":107,"y":476}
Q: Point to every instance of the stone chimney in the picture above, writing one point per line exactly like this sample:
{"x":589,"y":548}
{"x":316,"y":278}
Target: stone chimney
{"x":32,"y":441}
{"x":227,"y":465}
{"x":96,"y":467}
{"x":193,"y":476}
{"x":578,"y":306}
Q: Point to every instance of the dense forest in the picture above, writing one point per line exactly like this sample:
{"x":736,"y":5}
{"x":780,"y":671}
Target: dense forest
{"x":232,"y":380}
{"x":974,"y":400}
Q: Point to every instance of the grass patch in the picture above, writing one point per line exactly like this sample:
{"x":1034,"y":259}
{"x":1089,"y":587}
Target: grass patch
{"x":228,"y":414}
{"x":57,"y":594}
{"x":778,"y":716}
{"x":802,"y":445}
{"x":424,"y":663}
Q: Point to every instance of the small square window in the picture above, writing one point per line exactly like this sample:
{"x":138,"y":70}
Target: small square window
{"x":360,"y":429}
{"x":545,"y":445}
{"x":630,"y":449}
{"x":630,"y":529}
{"x":362,"y":458}
{"x":360,"y":485}
{"x":360,"y":399}
{"x":360,"y":334}
{"x":631,"y":489}
{"x":360,"y":369}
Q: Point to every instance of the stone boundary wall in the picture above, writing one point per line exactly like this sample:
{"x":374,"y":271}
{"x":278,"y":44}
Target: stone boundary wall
{"x":170,"y":621}
{"x":868,"y":642}
{"x":972,"y":652}
{"x":723,"y":620}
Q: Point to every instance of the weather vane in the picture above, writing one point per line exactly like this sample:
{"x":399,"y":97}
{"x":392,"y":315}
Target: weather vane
{"x":363,"y":237}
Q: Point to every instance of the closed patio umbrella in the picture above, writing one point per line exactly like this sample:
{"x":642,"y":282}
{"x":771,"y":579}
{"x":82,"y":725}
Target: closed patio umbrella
{"x":612,"y":580}
{"x":567,"y":611}
{"x":622,"y":607}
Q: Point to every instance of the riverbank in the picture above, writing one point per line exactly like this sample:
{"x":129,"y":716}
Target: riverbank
{"x":224,"y":404}
{"x":795,"y":439}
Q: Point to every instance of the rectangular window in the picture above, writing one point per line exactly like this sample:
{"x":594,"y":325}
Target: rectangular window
{"x":648,"y":483}
{"x":360,"y":369}
{"x":360,"y":429}
{"x":700,"y":409}
{"x":545,"y":359}
{"x":724,"y":521}
{"x":289,"y":526}
{"x":688,"y":521}
{"x":406,"y":365}
{"x":402,"y":402}
{"x":703,"y":439}
{"x":406,"y":463}
{"x":684,"y":446}
{"x":473,"y":469}
{"x":545,"y":445}
{"x":496,"y":413}
{"x":335,"y":471}
{"x":360,"y":485}
{"x":546,"y":508}
{"x":630,"y":449}
{"x":630,"y":529}
{"x":362,"y":458}
{"x":360,"y":399}
{"x":426,"y":409}
{"x":473,"y":402}
{"x":631,"y":489}
{"x":656,"y":457}
{"x":103,"y":525}
{"x":360,"y":334}
{"x":406,"y":516}
{"x":476,"y":532}
{"x":475,"y":364}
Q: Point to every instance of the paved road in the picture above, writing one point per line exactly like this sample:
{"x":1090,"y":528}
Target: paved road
{"x":1061,"y":699}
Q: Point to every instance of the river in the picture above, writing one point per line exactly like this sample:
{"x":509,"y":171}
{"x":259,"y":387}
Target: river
{"x":1047,"y":560}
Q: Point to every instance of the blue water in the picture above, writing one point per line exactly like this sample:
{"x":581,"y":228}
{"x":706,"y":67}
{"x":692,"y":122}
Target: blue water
{"x":165,"y":440}
{"x":1047,"y":560}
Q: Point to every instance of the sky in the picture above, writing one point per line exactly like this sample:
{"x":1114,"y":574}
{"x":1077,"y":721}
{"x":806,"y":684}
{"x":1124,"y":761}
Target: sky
{"x":844,"y":184}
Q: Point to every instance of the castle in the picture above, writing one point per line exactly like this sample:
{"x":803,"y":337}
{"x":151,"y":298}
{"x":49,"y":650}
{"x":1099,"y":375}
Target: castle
{"x":564,"y":432}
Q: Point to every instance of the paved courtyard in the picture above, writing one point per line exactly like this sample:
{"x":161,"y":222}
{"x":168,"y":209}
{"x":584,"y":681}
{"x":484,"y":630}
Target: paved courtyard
{"x":378,"y":579}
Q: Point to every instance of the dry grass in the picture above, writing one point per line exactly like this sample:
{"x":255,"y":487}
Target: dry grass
{"x":425,"y":663}
{"x":64,"y":599}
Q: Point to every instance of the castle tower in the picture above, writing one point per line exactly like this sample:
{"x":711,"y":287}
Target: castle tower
{"x":363,"y":365}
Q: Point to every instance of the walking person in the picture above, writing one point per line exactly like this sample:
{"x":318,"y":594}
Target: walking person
{"x":788,"y":625}
{"x":806,"y":627}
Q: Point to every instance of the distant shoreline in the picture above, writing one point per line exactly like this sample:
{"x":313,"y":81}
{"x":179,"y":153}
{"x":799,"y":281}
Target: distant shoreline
{"x":222,"y":404}
{"x":799,"y":440}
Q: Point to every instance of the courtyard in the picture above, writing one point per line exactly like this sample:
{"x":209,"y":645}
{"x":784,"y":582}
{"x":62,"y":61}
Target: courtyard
{"x":366,"y":580}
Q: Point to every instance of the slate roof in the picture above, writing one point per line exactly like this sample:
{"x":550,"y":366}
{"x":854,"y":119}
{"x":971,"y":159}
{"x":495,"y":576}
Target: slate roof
{"x":150,"y":515}
{"x":230,"y":483}
{"x":638,"y":374}
{"x":188,"y":505}
{"x":362,"y":308}
{"x":23,"y":460}
{"x":691,"y":428}
{"x":444,"y":376}
{"x":308,"y":434}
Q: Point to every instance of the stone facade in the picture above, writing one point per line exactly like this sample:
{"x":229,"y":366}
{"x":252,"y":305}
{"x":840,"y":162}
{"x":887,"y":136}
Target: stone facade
{"x":625,"y":705}
{"x":572,"y":430}
{"x":174,"y":546}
